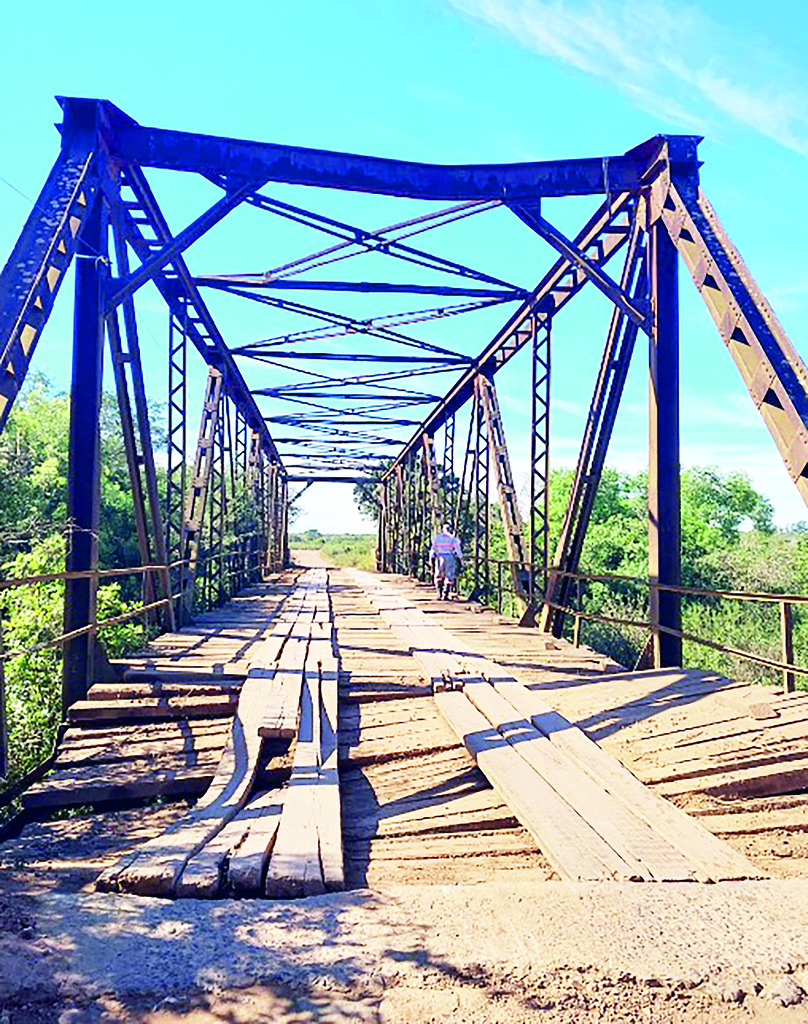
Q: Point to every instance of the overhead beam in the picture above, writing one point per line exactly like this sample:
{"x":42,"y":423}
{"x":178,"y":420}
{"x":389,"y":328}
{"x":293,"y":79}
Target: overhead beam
{"x":214,"y":155}
{"x":382,"y":287}
{"x":329,"y":479}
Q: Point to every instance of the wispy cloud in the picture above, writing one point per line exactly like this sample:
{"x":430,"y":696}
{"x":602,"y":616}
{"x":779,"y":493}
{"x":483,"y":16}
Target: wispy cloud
{"x":671,"y":59}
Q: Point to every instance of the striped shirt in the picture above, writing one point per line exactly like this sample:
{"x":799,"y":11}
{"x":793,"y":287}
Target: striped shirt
{"x":445,"y":544}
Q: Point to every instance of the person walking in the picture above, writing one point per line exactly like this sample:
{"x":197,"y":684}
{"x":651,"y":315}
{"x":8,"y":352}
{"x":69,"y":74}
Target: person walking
{"x":446,"y":557}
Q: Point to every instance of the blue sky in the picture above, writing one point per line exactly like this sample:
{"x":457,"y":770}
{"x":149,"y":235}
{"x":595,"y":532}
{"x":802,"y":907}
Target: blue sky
{"x":458,"y":81}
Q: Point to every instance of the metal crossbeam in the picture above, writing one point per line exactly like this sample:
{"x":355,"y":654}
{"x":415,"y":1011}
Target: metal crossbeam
{"x":211,"y":155}
{"x":506,"y":490}
{"x":166,"y":252}
{"x":600,"y":422}
{"x":178,"y":290}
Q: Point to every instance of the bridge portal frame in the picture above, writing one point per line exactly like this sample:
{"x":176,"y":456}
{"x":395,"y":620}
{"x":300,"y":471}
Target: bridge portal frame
{"x":652,"y":208}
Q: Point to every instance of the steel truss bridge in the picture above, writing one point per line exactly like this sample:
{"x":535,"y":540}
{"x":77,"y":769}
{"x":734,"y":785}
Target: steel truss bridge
{"x":381,"y":399}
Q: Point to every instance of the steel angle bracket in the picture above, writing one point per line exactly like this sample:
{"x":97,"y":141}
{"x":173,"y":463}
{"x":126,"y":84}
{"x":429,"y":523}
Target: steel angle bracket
{"x":773,"y":372}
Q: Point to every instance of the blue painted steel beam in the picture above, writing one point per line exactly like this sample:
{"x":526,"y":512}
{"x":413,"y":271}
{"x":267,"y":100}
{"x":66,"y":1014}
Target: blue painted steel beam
{"x":380,"y":240}
{"x":640,"y":315}
{"x":84,"y":456}
{"x":36,"y":268}
{"x":212,"y":155}
{"x":231,"y":283}
{"x":348,"y":357}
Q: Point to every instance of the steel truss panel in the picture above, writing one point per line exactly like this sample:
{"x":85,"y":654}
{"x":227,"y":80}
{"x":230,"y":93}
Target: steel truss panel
{"x":203,"y":480}
{"x":179,"y":292}
{"x":599,"y":240}
{"x":506,"y":491}
{"x":600,"y":421}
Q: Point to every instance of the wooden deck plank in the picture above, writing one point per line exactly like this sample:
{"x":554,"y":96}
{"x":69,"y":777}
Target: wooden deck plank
{"x":575,"y":849}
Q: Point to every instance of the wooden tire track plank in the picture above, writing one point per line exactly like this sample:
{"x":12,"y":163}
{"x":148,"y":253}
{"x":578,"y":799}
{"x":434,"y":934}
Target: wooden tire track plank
{"x":712,"y":858}
{"x":189,"y":859}
{"x":307,"y":856}
{"x":646,"y":853}
{"x":709,"y":857}
{"x":564,"y":836}
{"x":248,"y":862}
{"x":211,"y":870}
{"x":284,"y":683}
{"x":158,"y":867}
{"x":294,"y":866}
{"x":329,"y":816}
{"x":155,"y":868}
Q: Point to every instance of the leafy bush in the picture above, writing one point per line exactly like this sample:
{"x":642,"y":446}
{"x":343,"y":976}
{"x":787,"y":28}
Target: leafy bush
{"x":32,"y":615}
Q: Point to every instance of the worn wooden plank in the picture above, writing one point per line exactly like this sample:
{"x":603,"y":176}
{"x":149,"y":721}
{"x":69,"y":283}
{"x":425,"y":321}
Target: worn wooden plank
{"x":262,"y":816}
{"x":159,"y":688}
{"x":573,"y":847}
{"x":282,"y":705}
{"x":98,"y":789}
{"x":159,"y":864}
{"x":329,"y":810}
{"x":637,"y":844}
{"x":294,"y":867}
{"x":713,"y":858}
{"x":153,"y":707}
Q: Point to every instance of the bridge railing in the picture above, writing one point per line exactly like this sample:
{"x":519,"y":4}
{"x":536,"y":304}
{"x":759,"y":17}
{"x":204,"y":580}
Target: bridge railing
{"x":504,"y":598}
{"x":219,"y":575}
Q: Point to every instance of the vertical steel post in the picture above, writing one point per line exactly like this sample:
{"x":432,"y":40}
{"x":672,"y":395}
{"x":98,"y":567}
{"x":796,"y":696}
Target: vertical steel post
{"x":409,"y":483}
{"x":284,"y":492}
{"x":787,"y":645}
{"x":539,"y":455}
{"x":448,"y":481}
{"x":84,"y":453}
{"x":145,"y":456}
{"x":176,"y":471}
{"x":381,"y":538}
{"x":399,"y":514}
{"x":480,"y":479}
{"x":664,"y":516}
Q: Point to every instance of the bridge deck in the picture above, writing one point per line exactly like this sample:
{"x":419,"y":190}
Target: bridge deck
{"x":414,"y":804}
